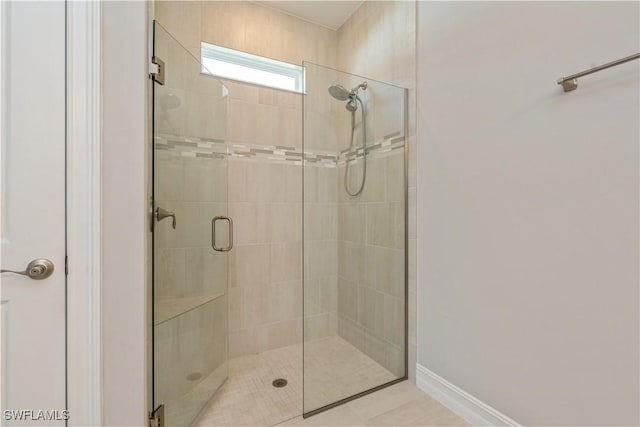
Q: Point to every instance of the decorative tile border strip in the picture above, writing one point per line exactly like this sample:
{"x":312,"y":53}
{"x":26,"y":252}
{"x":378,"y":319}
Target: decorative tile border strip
{"x":191,"y":147}
{"x":216,"y":148}
{"x":279,"y":153}
{"x":389,"y":143}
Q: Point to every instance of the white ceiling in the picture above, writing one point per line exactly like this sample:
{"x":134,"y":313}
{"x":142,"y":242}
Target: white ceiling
{"x":331,"y":14}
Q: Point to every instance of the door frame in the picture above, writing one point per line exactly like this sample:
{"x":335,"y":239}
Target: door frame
{"x":90,"y":55}
{"x":84,"y":212}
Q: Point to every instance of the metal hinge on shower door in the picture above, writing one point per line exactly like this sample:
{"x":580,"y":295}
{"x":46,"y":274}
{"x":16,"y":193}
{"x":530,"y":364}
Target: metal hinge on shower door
{"x":156,"y":71}
{"x":156,"y":419}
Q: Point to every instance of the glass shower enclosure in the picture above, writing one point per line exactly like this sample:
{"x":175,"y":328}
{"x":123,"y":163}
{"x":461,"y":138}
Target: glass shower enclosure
{"x":354,"y":228}
{"x":191,"y":233}
{"x":354,"y":283}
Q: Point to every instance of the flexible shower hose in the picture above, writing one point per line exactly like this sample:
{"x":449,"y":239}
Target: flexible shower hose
{"x":364,"y":151}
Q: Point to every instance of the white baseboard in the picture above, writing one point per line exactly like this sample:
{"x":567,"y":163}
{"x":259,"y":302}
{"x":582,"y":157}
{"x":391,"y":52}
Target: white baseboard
{"x":459,"y":401}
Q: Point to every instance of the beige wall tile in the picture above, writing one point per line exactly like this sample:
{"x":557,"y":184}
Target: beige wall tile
{"x":206,"y":116}
{"x":170,"y":178}
{"x":169,"y":272}
{"x":249,"y":265}
{"x":328,"y":295}
{"x":378,"y":42}
{"x":223,"y":23}
{"x":394,"y":177}
{"x":256,"y":309}
{"x":320,"y":221}
{"x":266,"y":198}
{"x":310,"y":185}
{"x":285,"y":262}
{"x":390,"y":271}
{"x":394,"y":320}
{"x":242,"y":122}
{"x":293,"y":184}
{"x":246,"y":93}
{"x":278,"y":334}
{"x":378,"y":217}
{"x":319,"y":326}
{"x":173,"y":15}
{"x":326,"y":185}
{"x":245,"y":221}
{"x":320,"y":258}
{"x":242,"y":342}
{"x":236,"y":310}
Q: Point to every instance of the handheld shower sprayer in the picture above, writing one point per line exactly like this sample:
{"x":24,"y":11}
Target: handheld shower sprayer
{"x":341,"y":94}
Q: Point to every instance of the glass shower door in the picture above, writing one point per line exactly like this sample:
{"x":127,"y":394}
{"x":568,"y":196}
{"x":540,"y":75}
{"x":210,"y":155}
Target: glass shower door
{"x":354,"y":216}
{"x":191,"y":233}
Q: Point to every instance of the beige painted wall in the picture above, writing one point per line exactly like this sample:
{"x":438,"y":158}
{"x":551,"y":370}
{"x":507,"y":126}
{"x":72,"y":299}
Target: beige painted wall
{"x":125,"y":300}
{"x":528,"y":207}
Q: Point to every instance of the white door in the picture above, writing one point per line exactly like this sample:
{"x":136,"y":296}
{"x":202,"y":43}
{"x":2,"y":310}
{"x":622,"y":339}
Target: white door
{"x":32,"y":209}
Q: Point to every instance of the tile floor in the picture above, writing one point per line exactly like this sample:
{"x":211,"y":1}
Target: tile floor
{"x":334,"y":369}
{"x":249,"y":399}
{"x":398,"y":405}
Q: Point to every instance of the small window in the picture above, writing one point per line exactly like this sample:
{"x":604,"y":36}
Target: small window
{"x":235,"y":65}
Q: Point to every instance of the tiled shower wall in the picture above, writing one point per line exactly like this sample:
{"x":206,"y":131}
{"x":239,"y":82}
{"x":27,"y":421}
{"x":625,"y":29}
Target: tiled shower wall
{"x":190,"y":287}
{"x":265,"y":185}
{"x":371,"y":258}
{"x":371,"y":237}
{"x":378,"y":41}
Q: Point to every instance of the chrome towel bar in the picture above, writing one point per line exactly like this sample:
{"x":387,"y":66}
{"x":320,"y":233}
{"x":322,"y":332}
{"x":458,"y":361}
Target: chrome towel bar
{"x":570,"y":83}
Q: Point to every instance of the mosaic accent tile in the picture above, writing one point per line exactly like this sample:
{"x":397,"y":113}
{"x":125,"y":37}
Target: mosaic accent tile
{"x":219,"y":149}
{"x":389,"y":143}
{"x":191,"y":147}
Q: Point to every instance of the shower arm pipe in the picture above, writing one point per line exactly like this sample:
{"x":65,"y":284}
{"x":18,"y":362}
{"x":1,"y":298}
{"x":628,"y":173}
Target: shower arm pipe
{"x":570,"y":83}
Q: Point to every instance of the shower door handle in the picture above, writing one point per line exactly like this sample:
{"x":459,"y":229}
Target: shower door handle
{"x":213,"y":233}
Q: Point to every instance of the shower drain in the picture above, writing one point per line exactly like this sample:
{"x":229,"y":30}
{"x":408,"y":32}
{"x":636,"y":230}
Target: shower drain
{"x":279,"y":382}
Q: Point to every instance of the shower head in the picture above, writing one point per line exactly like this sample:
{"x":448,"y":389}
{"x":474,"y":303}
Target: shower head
{"x":339,"y":92}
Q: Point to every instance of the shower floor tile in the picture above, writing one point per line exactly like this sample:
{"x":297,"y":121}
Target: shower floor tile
{"x":335,"y":369}
{"x":248,"y":397}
